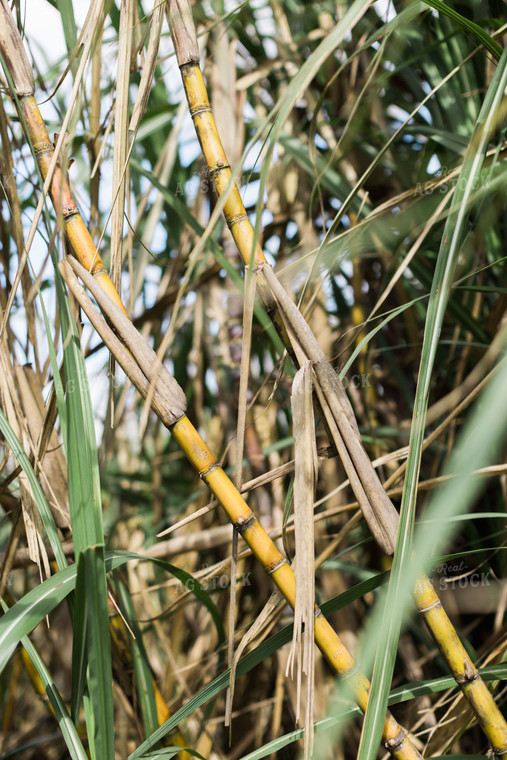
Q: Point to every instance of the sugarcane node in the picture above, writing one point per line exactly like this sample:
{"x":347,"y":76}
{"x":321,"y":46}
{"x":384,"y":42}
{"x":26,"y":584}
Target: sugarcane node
{"x":98,"y":272}
{"x":231,"y":220}
{"x":196,"y":110}
{"x":243,"y":523}
{"x":258,"y":267}
{"x":470,"y":675}
{"x":43,"y":147}
{"x":423,"y":609}
{"x":270,"y":569}
{"x":188,"y":66}
{"x":59,"y":190}
{"x":317,"y":612}
{"x":217,"y":167}
{"x":350,"y":673}
{"x":186,"y":54}
{"x":61,"y":195}
{"x":203,"y":474}
{"x":187,"y":60}
{"x":397,"y":740}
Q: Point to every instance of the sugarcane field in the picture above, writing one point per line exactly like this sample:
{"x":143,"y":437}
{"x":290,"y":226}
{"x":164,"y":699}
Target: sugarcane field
{"x":253,"y":347}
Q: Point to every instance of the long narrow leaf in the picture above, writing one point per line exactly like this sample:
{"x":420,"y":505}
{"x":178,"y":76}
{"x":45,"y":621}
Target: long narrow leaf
{"x":100,"y":681}
{"x":33,"y":607}
{"x":142,"y":670}
{"x":69,"y":732}
{"x":44,"y":510}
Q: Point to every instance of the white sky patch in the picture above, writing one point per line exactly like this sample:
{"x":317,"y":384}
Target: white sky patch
{"x":385,"y":9}
{"x":42,"y":23}
{"x":434,"y":165}
{"x":43,"y":26}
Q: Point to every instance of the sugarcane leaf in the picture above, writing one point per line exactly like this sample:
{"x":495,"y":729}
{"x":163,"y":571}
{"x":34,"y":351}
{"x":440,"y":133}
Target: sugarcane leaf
{"x":305,"y":473}
{"x":79,"y":654}
{"x":444,"y":274}
{"x":470,"y":26}
{"x":98,"y":649}
{"x":27,"y":613}
{"x":87,"y":531}
{"x":66,"y":10}
{"x":33,"y":607}
{"x":168,"y":752}
{"x":69,"y":731}
{"x":142,"y":670}
{"x":79,"y":441}
{"x":40,"y":499}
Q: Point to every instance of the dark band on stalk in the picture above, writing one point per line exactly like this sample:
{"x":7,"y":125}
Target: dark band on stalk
{"x":243,"y":523}
{"x":397,"y":741}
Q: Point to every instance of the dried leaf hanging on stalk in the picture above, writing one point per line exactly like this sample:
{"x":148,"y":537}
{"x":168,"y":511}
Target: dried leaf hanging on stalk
{"x":305,"y":475}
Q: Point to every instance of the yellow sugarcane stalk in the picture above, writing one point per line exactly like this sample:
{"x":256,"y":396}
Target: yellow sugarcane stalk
{"x":243,"y":519}
{"x":75,"y":229}
{"x":20,"y":77}
{"x":275,"y":565}
{"x":464,"y":671}
{"x":218,"y":165}
{"x":462,"y":667}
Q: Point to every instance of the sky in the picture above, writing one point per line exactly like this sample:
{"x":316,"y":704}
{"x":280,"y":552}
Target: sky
{"x":42,"y":22}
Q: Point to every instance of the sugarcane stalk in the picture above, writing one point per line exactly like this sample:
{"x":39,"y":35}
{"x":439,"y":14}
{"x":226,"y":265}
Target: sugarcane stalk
{"x":167,"y":397}
{"x":378,"y":511}
{"x":377,"y":508}
{"x":19,"y":73}
{"x":139,"y":363}
{"x":462,"y":666}
{"x":20,"y":77}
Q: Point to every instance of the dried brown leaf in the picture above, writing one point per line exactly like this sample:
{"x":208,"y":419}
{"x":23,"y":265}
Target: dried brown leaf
{"x":13,"y":53}
{"x":150,"y":62}
{"x":139,"y":362}
{"x":120,"y":149}
{"x":53,"y":466}
{"x":305,"y":474}
{"x":183,"y":31}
